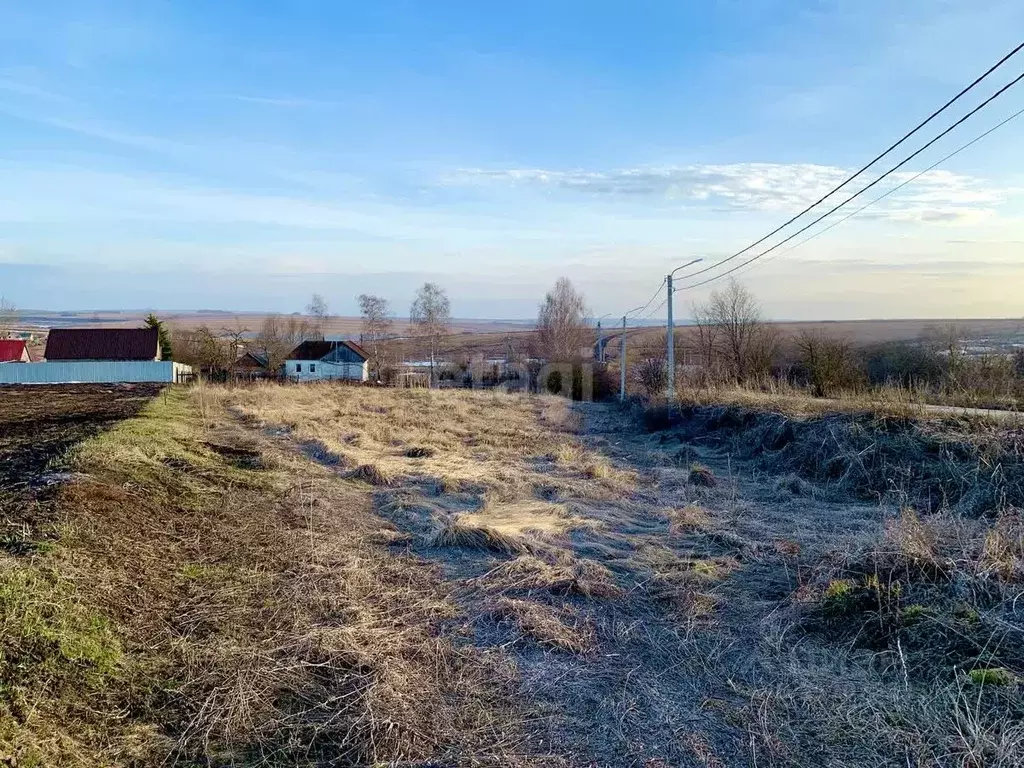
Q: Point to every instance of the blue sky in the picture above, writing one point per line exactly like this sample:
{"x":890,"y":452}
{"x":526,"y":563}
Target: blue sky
{"x":242,"y":155}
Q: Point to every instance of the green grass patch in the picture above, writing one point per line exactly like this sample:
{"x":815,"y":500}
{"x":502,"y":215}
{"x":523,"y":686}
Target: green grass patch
{"x":165,"y":446}
{"x":49,"y":638}
{"x":992,"y":676}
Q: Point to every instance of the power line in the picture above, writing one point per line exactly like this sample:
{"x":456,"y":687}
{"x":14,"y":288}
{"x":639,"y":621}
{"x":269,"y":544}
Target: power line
{"x":906,"y":136}
{"x":860,"y":192}
{"x":642,"y":307}
{"x":653,"y":297}
{"x":653,"y":311}
{"x":897,"y":188}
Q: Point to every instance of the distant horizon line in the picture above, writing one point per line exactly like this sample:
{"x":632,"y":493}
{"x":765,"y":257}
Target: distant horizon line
{"x":615,"y":321}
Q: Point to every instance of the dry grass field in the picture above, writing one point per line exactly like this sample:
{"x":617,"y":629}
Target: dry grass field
{"x":326,"y":575}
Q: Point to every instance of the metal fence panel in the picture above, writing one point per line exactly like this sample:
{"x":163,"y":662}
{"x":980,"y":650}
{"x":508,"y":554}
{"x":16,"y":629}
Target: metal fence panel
{"x":92,"y":371}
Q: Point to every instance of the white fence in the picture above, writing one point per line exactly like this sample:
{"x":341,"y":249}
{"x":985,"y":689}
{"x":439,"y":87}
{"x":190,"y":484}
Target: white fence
{"x":93,"y":372}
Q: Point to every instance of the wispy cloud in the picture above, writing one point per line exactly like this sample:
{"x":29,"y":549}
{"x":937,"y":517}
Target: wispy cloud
{"x":283,"y":101}
{"x":937,"y":196}
{"x":27,"y":89}
{"x":94,"y":129}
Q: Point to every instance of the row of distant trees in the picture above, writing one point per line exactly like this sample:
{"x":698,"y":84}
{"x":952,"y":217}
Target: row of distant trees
{"x":218,"y":349}
{"x":730,"y":343}
{"x":8,"y":318}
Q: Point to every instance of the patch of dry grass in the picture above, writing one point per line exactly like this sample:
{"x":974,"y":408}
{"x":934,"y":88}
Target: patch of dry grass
{"x":373,"y":474}
{"x":775,"y":396}
{"x":688,"y":519}
{"x":513,"y":527}
{"x":562,"y":576}
{"x":260,"y":619}
{"x":686,"y":583}
{"x":459,"y":438}
{"x":558,"y":628}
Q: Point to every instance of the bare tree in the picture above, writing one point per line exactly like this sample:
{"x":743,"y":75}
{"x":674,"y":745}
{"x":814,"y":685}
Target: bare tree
{"x":561,"y":327}
{"x":202,"y":349}
{"x":830,"y":362}
{"x":746,"y":344}
{"x":272,"y":342}
{"x":377,"y":324}
{"x":234,"y":343}
{"x":706,"y":340}
{"x":320,"y":315}
{"x":8,"y":318}
{"x":297,"y":330}
{"x":950,"y":339}
{"x":431,"y":316}
{"x":649,"y":371}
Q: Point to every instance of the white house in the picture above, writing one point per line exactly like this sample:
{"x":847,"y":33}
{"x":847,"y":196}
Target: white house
{"x":313,"y":360}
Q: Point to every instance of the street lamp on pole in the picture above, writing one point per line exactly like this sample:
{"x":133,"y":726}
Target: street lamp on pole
{"x":600,"y":337}
{"x":622,"y":353}
{"x":671,"y":331}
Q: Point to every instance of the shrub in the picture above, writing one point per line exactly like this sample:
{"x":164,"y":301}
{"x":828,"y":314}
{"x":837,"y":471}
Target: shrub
{"x":651,"y":376}
{"x":828,"y":363}
{"x":906,"y":364}
{"x":992,"y":676}
{"x":702,"y":476}
{"x":553,"y":383}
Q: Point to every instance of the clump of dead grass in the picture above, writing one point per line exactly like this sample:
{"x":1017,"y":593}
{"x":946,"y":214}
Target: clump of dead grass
{"x":373,"y":474}
{"x":597,"y":468}
{"x":688,"y":519}
{"x":934,"y":589}
{"x":519,"y":527}
{"x":562,"y":629}
{"x":569,"y":453}
{"x":419,"y":452}
{"x":702,"y":476}
{"x":687,"y":584}
{"x":458,"y":533}
{"x":560,"y":575}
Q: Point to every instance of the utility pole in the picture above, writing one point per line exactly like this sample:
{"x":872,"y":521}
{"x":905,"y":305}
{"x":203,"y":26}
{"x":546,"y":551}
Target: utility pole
{"x":671,"y":331}
{"x":601,"y":357}
{"x":671,"y":336}
{"x":622,"y":362}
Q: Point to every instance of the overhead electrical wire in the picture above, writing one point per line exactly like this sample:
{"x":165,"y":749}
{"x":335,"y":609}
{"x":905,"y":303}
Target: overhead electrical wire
{"x":860,"y":172}
{"x":900,"y":186}
{"x":854,"y":196}
{"x":651,"y":313}
{"x":649,"y":301}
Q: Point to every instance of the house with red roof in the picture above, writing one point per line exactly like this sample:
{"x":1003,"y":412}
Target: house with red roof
{"x":107,"y":344}
{"x":14,"y":351}
{"x":96,"y":356}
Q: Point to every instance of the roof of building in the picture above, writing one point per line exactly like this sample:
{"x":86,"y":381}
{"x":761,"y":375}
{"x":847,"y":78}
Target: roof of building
{"x":11,"y":350}
{"x":317,"y":350}
{"x":251,"y":358}
{"x":103,"y":344}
